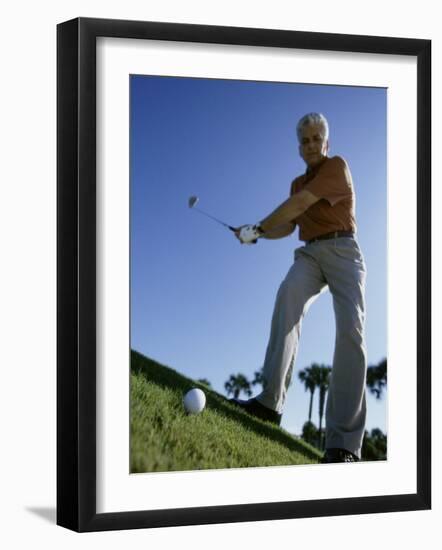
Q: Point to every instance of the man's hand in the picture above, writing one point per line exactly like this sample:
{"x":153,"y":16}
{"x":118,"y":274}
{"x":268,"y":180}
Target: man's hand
{"x":248,"y":234}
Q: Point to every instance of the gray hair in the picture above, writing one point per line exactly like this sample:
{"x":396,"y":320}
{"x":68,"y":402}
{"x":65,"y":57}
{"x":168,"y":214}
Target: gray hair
{"x":312,"y":118}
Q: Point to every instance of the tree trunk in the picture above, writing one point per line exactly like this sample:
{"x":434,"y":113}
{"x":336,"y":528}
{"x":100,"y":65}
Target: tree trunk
{"x":310,"y":407}
{"x":321,"y":414}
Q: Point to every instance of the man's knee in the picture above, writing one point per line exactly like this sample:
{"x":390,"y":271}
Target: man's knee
{"x":351,"y":325}
{"x":292,"y":293}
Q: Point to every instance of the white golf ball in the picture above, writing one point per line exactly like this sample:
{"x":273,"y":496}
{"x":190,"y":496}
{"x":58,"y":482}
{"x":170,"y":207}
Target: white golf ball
{"x":194,"y":401}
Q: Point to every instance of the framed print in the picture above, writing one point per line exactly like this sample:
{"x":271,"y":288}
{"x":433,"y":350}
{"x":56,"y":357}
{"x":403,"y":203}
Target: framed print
{"x":191,"y":161}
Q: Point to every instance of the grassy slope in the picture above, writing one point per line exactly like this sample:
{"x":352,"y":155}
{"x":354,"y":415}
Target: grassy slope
{"x":165,"y":438}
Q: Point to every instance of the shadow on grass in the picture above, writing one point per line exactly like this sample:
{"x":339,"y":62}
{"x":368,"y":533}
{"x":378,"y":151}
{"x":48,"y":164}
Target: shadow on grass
{"x":168,"y":378}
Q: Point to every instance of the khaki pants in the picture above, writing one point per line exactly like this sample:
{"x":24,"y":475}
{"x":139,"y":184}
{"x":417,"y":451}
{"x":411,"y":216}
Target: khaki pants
{"x":339,"y":265}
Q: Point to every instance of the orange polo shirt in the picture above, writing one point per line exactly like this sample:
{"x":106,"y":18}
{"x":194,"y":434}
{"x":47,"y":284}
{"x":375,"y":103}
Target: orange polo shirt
{"x":332,"y":183}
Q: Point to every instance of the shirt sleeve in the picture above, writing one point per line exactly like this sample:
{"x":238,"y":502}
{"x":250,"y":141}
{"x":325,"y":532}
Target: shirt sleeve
{"x":294,"y":186}
{"x":293,"y":189}
{"x":333,"y":182}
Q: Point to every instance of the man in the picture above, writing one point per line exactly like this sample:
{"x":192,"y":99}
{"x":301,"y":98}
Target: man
{"x":322,"y":204}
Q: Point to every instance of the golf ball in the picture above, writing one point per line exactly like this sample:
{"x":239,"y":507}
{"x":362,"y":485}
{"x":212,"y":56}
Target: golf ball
{"x":194,"y":401}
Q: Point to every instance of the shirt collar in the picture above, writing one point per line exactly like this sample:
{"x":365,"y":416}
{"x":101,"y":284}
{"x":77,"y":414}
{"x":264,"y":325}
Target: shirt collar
{"x":312,"y":171}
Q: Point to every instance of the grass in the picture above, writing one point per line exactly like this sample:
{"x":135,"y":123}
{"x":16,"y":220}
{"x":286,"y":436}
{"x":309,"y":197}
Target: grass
{"x":165,"y":438}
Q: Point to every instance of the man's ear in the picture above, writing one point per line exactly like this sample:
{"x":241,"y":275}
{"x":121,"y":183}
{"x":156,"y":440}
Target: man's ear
{"x":327,"y":147}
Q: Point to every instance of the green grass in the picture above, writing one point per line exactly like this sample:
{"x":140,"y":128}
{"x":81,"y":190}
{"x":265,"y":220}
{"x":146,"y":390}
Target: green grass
{"x":165,"y":438}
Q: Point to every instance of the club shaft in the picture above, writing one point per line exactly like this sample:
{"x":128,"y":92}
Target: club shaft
{"x":213,"y":218}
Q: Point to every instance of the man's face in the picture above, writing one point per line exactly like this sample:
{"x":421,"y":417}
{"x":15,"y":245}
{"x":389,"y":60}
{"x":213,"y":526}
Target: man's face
{"x":313,"y":146}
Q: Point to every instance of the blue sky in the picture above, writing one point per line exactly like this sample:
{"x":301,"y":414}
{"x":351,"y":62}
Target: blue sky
{"x":200,"y":302}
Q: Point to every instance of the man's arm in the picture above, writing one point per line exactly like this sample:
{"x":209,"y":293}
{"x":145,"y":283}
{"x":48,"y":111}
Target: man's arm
{"x":289,"y":210}
{"x":280,"y":231}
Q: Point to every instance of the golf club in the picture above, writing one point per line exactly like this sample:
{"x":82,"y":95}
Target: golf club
{"x":194,"y":200}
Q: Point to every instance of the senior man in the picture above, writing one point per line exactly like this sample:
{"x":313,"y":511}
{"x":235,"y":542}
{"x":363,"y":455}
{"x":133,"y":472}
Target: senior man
{"x":322,"y":205}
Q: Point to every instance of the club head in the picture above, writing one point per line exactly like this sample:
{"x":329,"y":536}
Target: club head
{"x":192,"y":201}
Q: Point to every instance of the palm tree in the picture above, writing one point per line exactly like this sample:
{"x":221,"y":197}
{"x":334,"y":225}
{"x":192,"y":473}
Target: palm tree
{"x":306,"y":376}
{"x":321,"y":376}
{"x":377,"y":378}
{"x":237,"y":384}
{"x":258,"y":378}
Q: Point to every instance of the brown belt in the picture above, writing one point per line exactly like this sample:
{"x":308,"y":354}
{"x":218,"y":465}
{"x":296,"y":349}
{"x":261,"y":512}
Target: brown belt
{"x":333,"y":235}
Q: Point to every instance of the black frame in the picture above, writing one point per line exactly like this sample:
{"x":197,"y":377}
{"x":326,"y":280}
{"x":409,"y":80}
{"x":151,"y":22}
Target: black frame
{"x":76,"y":273}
